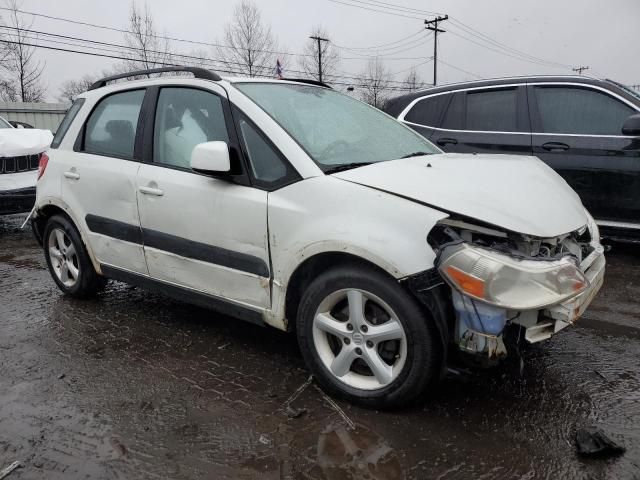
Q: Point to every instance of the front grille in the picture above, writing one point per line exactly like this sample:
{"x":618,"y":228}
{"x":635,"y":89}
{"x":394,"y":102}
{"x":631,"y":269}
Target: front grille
{"x":23,"y":163}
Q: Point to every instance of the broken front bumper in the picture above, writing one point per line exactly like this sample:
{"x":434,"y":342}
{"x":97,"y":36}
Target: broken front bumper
{"x":557,"y":317}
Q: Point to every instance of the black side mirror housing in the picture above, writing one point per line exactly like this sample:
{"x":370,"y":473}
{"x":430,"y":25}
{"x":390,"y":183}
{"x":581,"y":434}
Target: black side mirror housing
{"x":631,"y":126}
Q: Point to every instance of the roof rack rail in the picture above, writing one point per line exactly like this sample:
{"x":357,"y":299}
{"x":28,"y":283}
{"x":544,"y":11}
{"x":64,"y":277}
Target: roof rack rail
{"x":306,"y":80}
{"x":197,"y":73}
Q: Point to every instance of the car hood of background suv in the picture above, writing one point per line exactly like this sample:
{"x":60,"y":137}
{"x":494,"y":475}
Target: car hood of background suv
{"x":517,"y":193}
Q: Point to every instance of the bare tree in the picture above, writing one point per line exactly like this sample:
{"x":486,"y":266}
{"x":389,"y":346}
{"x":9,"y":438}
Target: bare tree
{"x":146,"y":48}
{"x":70,"y":89}
{"x":374,"y":83}
{"x":310,"y":62}
{"x":413,"y":81}
{"x":21,"y":71}
{"x":250,"y":44}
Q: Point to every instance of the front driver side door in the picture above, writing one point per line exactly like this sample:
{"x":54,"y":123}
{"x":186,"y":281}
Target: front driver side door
{"x":203,"y":233}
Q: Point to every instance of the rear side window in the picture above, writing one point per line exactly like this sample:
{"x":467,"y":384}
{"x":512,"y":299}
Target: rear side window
{"x":66,"y":122}
{"x":492,"y":111}
{"x":427,"y":111}
{"x":453,"y":118}
{"x":580,"y":111}
{"x":111,"y":128}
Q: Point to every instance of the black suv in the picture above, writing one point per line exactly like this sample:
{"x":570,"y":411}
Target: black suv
{"x":588,"y":130}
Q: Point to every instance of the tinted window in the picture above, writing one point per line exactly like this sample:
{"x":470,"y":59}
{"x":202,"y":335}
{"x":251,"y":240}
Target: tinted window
{"x":453,"y":117}
{"x":66,"y":122}
{"x":111,"y":128}
{"x":186,"y":117}
{"x":580,"y":110}
{"x":492,"y":111}
{"x":427,"y":111}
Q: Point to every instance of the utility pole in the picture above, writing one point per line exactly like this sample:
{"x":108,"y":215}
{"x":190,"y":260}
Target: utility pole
{"x":319,"y":39}
{"x":433,"y":26}
{"x":580,"y":69}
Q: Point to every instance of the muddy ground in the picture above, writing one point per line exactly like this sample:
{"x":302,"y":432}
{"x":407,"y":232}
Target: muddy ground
{"x":134,"y":385}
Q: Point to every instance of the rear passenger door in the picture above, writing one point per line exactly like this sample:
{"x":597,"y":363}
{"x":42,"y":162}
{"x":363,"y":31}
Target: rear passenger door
{"x":99,"y":180}
{"x":577,"y":130}
{"x":486,"y":120}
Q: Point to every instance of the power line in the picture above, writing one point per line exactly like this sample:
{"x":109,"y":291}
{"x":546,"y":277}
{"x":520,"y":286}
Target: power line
{"x":373,"y":10}
{"x":399,"y":49}
{"x":383,"y":45}
{"x":121,"y":30}
{"x":476,"y":33}
{"x":338,"y":80}
{"x":460,"y":69}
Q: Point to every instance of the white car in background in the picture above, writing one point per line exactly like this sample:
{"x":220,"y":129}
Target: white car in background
{"x":289,"y":204}
{"x":20,"y":152}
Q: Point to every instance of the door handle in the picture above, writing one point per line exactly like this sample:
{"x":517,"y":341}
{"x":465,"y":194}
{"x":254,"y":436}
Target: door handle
{"x":555,"y":146}
{"x":446,"y":141}
{"x":72,"y":175}
{"x":151,"y":191}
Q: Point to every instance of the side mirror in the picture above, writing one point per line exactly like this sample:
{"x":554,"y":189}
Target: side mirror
{"x":631,"y":126}
{"x":211,"y":158}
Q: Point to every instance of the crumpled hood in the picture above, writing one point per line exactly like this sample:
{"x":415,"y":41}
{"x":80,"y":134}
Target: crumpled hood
{"x":517,"y":193}
{"x":15,"y":142}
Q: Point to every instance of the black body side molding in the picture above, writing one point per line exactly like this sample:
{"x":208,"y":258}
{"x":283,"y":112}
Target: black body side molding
{"x":178,"y":245}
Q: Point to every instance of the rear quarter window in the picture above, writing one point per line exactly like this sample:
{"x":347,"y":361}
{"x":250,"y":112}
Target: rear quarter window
{"x":428,"y":111}
{"x":66,"y":122}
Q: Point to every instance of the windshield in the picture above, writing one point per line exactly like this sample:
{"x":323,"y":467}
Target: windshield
{"x":333,"y":128}
{"x":4,"y":123}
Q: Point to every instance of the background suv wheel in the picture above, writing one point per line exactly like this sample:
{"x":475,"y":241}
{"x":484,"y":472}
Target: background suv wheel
{"x":365,"y":338}
{"x":68,"y":260}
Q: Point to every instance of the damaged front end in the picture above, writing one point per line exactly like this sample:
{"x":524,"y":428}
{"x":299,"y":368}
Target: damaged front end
{"x":499,"y":278}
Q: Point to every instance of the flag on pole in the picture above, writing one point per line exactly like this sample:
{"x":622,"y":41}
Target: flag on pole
{"x":278,"y":69}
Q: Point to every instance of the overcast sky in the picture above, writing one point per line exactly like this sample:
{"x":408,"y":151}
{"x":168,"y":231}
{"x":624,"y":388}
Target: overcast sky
{"x":602,"y":35}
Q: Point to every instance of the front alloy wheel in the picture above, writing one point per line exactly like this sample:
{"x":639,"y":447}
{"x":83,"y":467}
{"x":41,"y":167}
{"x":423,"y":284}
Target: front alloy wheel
{"x":366,"y":339}
{"x":359,"y":339}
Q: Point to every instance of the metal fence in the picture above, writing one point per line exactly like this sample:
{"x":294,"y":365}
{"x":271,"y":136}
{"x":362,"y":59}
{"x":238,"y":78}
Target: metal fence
{"x":39,"y":115}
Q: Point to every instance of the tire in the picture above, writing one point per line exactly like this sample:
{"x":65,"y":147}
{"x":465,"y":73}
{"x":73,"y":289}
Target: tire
{"x":410,"y":352}
{"x":68,"y":260}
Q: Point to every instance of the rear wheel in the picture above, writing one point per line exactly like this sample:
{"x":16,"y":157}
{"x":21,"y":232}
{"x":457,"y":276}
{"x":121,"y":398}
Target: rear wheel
{"x":365,"y":338}
{"x":68,"y":260}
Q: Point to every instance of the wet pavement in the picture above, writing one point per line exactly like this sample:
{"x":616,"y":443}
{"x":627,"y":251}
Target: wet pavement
{"x":134,"y":385}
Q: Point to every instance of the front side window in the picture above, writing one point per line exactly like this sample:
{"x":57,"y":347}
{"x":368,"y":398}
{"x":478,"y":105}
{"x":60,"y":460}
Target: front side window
{"x":576,"y":110}
{"x":186,"y":117}
{"x":492,"y":111}
{"x":111,"y":128}
{"x":334,"y":129}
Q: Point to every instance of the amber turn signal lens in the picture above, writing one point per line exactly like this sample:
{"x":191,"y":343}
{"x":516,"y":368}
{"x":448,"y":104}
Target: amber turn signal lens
{"x":467,"y":283}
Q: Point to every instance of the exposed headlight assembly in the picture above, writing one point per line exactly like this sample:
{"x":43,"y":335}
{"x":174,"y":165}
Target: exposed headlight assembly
{"x":509,"y":282}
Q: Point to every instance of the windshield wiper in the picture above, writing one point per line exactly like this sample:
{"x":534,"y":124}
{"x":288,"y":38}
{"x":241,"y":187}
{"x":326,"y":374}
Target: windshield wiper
{"x":415,"y":154}
{"x":345,"y":166}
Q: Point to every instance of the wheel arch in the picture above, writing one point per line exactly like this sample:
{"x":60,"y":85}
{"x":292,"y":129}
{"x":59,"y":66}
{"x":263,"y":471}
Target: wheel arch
{"x":50,"y":208}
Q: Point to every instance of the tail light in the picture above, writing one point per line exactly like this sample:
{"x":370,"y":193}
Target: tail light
{"x":42,"y":164}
